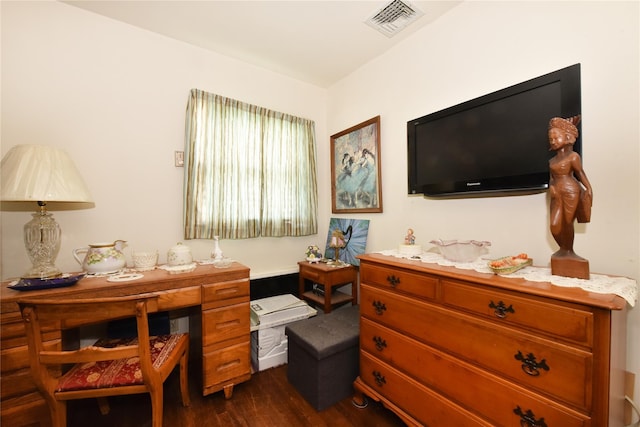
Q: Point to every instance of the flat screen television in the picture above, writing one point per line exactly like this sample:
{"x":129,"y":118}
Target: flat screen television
{"x":495,"y":144}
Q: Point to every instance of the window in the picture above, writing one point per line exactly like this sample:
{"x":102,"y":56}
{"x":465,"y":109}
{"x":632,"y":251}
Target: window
{"x":249,"y":171}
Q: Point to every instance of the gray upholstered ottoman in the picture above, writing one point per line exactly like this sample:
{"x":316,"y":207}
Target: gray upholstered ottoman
{"x":323,"y":356}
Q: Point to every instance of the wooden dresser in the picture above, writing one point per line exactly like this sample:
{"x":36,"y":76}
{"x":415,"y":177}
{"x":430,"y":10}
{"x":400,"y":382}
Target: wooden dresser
{"x":442,"y":346}
{"x":218,"y":303}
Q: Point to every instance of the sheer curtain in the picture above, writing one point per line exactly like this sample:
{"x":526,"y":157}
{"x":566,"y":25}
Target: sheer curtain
{"x":249,"y":171}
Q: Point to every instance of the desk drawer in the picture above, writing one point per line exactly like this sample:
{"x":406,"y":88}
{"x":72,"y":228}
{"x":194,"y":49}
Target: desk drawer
{"x":12,"y":326}
{"x":400,"y":280}
{"x":327,"y":275}
{"x":16,"y":384}
{"x":222,"y":364}
{"x":13,"y":334}
{"x":554,"y":320}
{"x":225,"y":323}
{"x":29,"y":410}
{"x":18,"y":357}
{"x":173,"y":299}
{"x":225,"y":293}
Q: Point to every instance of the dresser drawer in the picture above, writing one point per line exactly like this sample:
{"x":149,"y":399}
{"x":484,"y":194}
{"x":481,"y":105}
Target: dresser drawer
{"x":420,"y":285}
{"x":559,"y":371}
{"x":425,"y":405}
{"x":486,"y":394}
{"x":225,"y":323}
{"x":571,"y":323}
{"x":225,"y":293}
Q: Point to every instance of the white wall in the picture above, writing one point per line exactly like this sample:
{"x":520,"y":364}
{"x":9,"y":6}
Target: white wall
{"x":477,"y":48}
{"x":114,"y":97}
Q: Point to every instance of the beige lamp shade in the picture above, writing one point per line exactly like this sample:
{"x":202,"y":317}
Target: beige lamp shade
{"x":41,"y":173}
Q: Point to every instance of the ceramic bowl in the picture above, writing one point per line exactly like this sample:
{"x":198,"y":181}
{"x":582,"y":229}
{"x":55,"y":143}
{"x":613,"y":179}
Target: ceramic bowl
{"x":145,"y":260}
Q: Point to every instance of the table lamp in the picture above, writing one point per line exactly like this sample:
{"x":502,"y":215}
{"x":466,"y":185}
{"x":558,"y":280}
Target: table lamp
{"x":41,"y":174}
{"x":337,"y":242}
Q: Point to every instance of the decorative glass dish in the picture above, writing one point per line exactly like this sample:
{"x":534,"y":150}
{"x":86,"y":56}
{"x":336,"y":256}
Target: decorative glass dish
{"x":34,"y":284}
{"x":222,"y":263}
{"x":509,"y":264}
{"x":462,"y":250}
{"x":125,"y":277}
{"x":179,"y":269}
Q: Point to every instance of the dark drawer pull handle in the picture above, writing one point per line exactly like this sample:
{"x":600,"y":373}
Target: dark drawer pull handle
{"x":381,"y":344}
{"x":379,"y":378}
{"x":380,"y":307}
{"x":501,"y":310}
{"x":393,"y":280}
{"x":528,"y":419}
{"x":529,"y":364}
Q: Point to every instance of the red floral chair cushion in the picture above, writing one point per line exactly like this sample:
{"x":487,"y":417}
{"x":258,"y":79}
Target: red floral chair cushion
{"x":116,"y":373}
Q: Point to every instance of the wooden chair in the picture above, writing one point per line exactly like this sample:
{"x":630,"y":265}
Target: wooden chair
{"x":109,"y":367}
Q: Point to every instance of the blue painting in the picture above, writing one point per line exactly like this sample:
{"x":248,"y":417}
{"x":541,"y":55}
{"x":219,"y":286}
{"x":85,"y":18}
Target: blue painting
{"x":355,"y":169}
{"x":355,"y":233}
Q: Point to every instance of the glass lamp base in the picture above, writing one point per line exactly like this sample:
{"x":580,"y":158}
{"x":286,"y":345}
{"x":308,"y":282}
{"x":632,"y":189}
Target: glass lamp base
{"x":42,"y":240}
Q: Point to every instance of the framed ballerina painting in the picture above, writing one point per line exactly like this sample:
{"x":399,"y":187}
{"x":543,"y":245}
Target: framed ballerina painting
{"x":355,"y":169}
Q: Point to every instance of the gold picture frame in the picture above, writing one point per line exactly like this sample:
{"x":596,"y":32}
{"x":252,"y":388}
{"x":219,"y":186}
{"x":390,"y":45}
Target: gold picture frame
{"x":356,"y":178}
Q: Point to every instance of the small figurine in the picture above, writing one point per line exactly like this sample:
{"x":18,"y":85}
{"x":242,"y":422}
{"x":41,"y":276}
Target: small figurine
{"x":313,"y":254}
{"x":410,"y":239}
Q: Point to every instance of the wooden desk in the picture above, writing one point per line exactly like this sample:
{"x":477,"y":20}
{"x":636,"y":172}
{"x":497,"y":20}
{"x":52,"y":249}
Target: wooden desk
{"x":219,"y":328}
{"x":330,"y":277}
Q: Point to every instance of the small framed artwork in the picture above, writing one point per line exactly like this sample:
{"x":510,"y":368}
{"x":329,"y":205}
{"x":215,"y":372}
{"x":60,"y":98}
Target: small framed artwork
{"x":356,"y":181}
{"x":353,"y":239}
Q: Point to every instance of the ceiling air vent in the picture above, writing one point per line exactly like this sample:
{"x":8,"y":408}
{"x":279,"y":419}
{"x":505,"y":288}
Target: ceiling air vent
{"x":393,"y":17}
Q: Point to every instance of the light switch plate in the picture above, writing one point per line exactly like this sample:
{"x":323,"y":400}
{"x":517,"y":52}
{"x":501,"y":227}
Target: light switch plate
{"x":179,"y":159}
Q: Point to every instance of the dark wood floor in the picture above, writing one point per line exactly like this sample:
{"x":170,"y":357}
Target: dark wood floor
{"x":266,"y":400}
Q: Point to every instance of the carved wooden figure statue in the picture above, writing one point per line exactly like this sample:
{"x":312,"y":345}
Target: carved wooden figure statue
{"x":571,"y":197}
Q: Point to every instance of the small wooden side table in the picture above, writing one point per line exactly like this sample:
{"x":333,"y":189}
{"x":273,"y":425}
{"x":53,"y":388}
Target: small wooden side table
{"x":330,"y":277}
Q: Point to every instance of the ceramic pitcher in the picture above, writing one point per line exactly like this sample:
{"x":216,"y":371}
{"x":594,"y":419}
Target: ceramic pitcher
{"x":102,"y":257}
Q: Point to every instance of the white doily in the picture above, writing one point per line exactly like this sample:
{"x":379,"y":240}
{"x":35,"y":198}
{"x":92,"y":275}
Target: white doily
{"x":598,"y":283}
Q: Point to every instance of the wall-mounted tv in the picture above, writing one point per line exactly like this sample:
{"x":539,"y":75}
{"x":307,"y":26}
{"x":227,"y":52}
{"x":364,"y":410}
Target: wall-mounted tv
{"x":493,"y":144}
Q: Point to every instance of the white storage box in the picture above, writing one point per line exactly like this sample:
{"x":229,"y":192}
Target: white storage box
{"x":269,"y":317}
{"x":268,"y":348}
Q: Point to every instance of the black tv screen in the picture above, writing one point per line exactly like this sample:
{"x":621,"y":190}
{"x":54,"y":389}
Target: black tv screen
{"x":496,"y":143}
